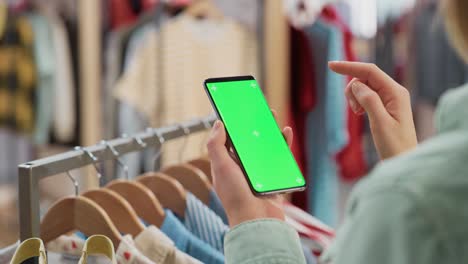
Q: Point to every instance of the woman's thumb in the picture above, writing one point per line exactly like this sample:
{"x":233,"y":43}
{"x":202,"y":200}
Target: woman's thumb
{"x":216,"y":143}
{"x":369,"y":100}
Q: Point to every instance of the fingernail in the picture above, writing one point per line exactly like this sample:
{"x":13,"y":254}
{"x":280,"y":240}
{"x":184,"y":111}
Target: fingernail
{"x":217,"y":125}
{"x":358,"y":89}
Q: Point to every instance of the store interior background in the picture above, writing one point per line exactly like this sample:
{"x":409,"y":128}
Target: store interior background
{"x":405,"y":38}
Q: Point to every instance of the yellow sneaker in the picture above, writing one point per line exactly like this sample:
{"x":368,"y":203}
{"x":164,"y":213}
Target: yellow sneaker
{"x":33,"y":247}
{"x":98,"y":245}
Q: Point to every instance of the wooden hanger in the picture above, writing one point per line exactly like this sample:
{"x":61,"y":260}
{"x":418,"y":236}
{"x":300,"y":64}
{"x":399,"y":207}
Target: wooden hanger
{"x":78,"y":213}
{"x":119,"y":210}
{"x":204,"y":164}
{"x":169,"y":191}
{"x":204,"y":9}
{"x":143,"y":201}
{"x":193,"y":180}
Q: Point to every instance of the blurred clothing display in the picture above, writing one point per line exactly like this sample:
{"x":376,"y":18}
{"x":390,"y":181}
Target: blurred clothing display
{"x":45,"y":59}
{"x":437,"y":66}
{"x":16,"y":149}
{"x":17,"y":76}
{"x":64,"y":95}
{"x":329,"y":136}
{"x":6,"y":253}
{"x":162,"y":82}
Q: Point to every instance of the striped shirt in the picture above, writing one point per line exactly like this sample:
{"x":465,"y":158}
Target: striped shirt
{"x":204,"y":223}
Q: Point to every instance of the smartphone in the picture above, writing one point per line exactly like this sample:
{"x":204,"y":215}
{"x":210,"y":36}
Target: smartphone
{"x":254,"y":135}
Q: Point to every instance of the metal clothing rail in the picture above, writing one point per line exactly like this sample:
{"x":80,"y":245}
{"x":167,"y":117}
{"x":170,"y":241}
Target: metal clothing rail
{"x":31,"y":172}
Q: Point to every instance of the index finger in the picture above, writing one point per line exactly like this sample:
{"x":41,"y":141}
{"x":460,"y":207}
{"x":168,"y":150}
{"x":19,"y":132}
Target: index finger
{"x":366,"y":72}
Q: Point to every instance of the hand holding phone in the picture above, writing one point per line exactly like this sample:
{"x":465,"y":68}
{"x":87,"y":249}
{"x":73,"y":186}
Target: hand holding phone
{"x":229,"y":182}
{"x":263,"y":153}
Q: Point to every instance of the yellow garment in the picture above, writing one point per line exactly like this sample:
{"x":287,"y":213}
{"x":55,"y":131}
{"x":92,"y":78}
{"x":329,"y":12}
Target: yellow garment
{"x":3,"y":16}
{"x":33,"y":247}
{"x":17,"y":76}
{"x":98,"y":245}
{"x":165,"y":80}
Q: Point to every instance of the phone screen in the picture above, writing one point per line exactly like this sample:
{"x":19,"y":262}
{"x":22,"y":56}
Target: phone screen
{"x":260,"y":146}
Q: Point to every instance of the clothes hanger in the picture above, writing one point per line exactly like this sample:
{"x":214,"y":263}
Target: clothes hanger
{"x":169,"y":191}
{"x":204,"y":9}
{"x":118,"y":209}
{"x":203,"y":163}
{"x":77,"y":213}
{"x":143,"y":201}
{"x":192,"y":178}
{"x":303,"y":13}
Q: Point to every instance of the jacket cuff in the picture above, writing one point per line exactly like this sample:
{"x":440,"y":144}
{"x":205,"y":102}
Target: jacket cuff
{"x":263,"y":241}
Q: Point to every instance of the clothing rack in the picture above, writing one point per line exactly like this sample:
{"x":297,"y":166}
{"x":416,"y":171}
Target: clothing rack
{"x":31,"y":172}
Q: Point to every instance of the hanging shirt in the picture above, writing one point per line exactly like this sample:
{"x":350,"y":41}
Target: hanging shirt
{"x":71,"y":245}
{"x":124,"y":12}
{"x":204,"y":223}
{"x":437,"y":66}
{"x":127,"y":253}
{"x":189,"y":243}
{"x":216,"y":206}
{"x":44,"y":55}
{"x":17,"y":149}
{"x":131,"y":121}
{"x":18,"y":78}
{"x":246,"y":12}
{"x":326,"y":124}
{"x":161,"y":249}
{"x":307,"y":220}
{"x":351,"y":160}
{"x":64,"y":119}
{"x":164,"y":81}
{"x":303,"y":99}
{"x":309,"y":257}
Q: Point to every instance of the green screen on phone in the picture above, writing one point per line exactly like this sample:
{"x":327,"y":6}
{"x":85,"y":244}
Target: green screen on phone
{"x":260,"y":146}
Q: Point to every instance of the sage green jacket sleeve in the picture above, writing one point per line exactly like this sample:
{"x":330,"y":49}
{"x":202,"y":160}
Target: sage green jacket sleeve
{"x":411,"y":209}
{"x":265,"y":241}
{"x":387,"y":227}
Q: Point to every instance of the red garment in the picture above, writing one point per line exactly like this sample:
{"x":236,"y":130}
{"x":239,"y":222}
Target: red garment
{"x":351,"y":161}
{"x":312,"y":231}
{"x":121,"y":13}
{"x":302,"y":101}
